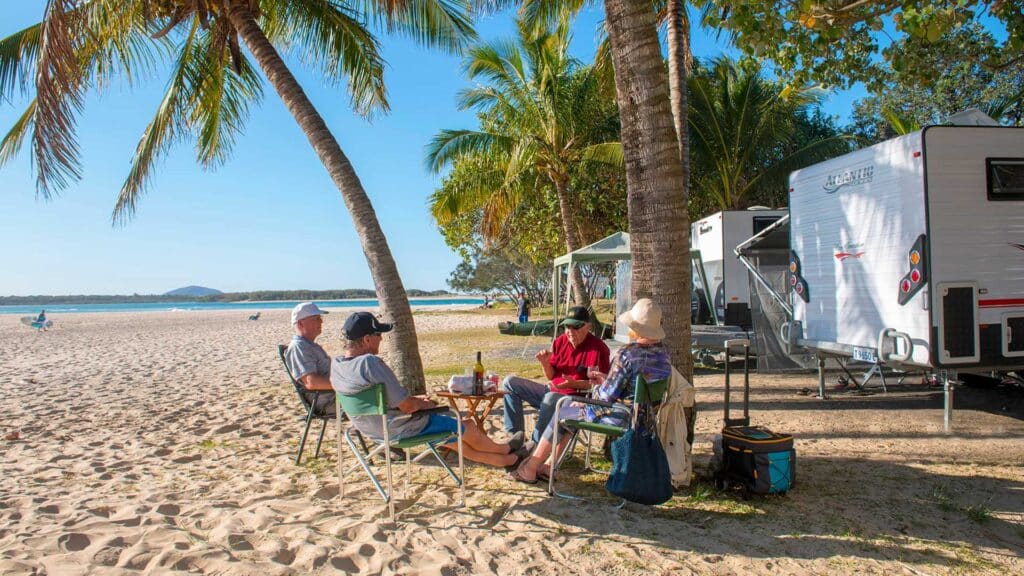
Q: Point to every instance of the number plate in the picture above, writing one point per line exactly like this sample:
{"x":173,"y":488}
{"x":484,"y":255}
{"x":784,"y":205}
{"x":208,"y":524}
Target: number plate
{"x":865,"y":355}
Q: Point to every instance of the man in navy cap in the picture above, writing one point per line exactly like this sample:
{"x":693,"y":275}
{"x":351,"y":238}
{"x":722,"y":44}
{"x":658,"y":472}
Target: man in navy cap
{"x":307,"y":360}
{"x":360,"y":368}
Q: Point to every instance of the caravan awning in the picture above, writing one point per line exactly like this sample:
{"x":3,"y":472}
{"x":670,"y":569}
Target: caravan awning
{"x":772,"y":238}
{"x":614,"y":247}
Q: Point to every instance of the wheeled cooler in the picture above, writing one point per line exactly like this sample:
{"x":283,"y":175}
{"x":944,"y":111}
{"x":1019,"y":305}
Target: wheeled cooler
{"x":758,"y":460}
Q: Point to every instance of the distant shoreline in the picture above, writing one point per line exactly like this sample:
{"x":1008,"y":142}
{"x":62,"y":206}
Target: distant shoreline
{"x":246,"y":307}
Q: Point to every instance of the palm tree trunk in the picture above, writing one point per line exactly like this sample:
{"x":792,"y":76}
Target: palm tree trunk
{"x":680,"y":63}
{"x":581,"y":296}
{"x":658,"y":224}
{"x":402,"y":348}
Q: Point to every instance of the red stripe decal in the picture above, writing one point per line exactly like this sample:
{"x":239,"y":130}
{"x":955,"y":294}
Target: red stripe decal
{"x":1000,"y":303}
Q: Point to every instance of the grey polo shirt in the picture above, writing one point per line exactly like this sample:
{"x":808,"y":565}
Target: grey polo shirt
{"x":305,"y":357}
{"x":353,"y":375}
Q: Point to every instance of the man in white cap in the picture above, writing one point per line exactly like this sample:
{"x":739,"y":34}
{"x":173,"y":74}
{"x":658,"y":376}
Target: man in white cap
{"x":307,"y":360}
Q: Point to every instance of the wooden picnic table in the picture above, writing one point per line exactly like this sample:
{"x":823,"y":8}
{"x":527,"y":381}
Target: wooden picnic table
{"x":473,"y":404}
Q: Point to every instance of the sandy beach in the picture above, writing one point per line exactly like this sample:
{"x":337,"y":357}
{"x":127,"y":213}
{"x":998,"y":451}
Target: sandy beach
{"x":155,"y":443}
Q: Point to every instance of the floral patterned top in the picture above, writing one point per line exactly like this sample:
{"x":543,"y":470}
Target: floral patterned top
{"x":650,"y":361}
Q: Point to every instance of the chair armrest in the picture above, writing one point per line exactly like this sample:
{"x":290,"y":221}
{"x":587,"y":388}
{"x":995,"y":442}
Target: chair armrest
{"x":595,"y":402}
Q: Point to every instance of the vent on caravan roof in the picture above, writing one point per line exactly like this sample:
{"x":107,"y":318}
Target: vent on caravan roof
{"x":971,"y":117}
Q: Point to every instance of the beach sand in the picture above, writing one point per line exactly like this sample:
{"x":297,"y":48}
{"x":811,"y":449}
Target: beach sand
{"x":164,"y":442}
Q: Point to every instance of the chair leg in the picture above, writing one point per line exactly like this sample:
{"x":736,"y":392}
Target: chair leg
{"x":320,"y":439}
{"x":305,"y":431}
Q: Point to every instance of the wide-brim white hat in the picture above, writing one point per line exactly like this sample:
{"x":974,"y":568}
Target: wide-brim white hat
{"x":644,"y":319}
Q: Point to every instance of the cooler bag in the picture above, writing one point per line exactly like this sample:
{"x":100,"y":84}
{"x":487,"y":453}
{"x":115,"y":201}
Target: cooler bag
{"x":753,"y":457}
{"x":759,"y":460}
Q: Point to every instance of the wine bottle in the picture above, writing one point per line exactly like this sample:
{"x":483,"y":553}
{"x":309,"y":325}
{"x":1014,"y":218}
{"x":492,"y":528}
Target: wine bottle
{"x":478,"y":376}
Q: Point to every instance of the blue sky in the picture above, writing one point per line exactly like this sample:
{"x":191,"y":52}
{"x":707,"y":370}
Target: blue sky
{"x":270,"y":218}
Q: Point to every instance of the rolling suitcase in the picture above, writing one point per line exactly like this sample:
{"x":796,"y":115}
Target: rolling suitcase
{"x":755,"y":458}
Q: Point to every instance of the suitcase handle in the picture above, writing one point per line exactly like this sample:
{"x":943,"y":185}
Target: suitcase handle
{"x":729,"y":344}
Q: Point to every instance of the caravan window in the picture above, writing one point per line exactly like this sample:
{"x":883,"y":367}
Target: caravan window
{"x":1005,"y":178}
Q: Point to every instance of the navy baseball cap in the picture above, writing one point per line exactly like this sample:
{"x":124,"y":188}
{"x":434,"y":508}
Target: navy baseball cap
{"x":361,"y":324}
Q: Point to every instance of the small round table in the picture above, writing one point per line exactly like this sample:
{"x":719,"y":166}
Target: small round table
{"x":473,"y":402}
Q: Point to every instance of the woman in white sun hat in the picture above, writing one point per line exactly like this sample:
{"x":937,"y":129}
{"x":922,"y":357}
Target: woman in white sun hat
{"x":645,"y":355}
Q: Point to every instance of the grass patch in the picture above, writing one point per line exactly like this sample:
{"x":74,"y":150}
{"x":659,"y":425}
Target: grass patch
{"x":979,"y":513}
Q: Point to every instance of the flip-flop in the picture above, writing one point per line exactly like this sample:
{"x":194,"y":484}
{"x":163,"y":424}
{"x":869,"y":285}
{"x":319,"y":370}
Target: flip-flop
{"x":514,"y":475}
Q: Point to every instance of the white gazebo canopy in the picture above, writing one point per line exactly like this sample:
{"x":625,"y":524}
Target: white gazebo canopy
{"x":614,"y":247}
{"x":611,"y":249}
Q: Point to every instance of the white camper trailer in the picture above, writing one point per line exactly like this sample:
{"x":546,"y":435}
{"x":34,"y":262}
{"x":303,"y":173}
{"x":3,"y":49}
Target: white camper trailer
{"x":911,"y":251}
{"x":727,"y":284}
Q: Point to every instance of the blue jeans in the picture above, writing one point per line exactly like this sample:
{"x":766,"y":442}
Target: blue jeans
{"x":524,"y":318}
{"x":518,"y":390}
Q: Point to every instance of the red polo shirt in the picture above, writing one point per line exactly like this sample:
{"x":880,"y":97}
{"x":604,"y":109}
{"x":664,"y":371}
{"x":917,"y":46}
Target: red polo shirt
{"x":565,"y":360}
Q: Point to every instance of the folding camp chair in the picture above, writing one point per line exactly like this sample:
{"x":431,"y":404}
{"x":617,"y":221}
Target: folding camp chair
{"x":373,"y":402}
{"x":655,"y":390}
{"x":310,"y":399}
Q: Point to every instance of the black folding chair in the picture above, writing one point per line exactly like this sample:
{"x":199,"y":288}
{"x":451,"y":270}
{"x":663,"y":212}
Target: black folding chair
{"x":310,"y":400}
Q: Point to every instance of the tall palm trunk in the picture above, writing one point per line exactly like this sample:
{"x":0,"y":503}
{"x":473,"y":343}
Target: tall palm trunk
{"x":572,"y":241}
{"x":658,"y":223}
{"x":402,"y":347}
{"x":680,"y":63}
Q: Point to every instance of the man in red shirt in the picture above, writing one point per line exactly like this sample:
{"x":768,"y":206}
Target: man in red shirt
{"x":565,"y":367}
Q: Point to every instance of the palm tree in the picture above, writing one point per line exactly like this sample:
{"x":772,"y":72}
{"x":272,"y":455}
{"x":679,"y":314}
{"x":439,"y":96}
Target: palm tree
{"x":745,"y":133}
{"x":83,"y":44}
{"x":651,"y":122}
{"x":542,"y":114}
{"x":658,"y":220}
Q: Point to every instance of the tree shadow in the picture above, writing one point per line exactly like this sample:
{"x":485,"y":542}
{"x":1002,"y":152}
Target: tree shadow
{"x":869,"y":509}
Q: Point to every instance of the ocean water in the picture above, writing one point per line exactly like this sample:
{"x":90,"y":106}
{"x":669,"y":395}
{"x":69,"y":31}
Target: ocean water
{"x":198,"y":306}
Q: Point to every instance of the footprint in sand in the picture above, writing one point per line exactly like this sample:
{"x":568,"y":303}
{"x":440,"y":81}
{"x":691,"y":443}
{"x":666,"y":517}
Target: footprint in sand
{"x":73,"y":542}
{"x":162,"y":452}
{"x":168,"y":509}
{"x":187,"y":459}
{"x":49,"y":509}
{"x":239,"y":543}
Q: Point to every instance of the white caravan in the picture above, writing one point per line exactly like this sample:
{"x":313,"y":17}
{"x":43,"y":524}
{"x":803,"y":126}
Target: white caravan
{"x":727,"y":284}
{"x":911,"y":251}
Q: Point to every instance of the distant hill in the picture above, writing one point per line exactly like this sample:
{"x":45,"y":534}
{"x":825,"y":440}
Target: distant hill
{"x":193,"y":291}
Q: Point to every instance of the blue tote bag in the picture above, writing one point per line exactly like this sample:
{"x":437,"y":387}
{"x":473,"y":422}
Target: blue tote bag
{"x":640,"y":471}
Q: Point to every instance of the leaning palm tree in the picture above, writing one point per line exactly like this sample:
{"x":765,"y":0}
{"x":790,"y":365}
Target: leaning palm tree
{"x":743,"y":133}
{"x":542,"y":114}
{"x":86,"y":44}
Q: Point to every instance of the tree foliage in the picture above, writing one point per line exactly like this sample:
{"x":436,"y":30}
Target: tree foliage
{"x":842,"y":42}
{"x":955,"y":81}
{"x":748,"y":134}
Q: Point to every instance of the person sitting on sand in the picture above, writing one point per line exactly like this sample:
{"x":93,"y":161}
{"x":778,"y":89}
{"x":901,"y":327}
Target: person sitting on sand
{"x":565,"y":367}
{"x":307,"y":360}
{"x":645,"y":355}
{"x":361,"y":368}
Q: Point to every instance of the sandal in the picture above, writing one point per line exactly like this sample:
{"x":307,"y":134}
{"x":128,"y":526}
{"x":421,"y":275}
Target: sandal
{"x":515,"y":475}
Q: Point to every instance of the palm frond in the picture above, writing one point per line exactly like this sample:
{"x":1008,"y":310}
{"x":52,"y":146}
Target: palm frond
{"x":443,"y":24}
{"x":219,"y":98}
{"x":332,"y":37}
{"x":449,"y":145}
{"x":609,"y":153}
{"x":18,"y":53}
{"x":167,"y":126}
{"x":15,"y":138}
{"x":901,"y":123}
{"x":58,"y":91}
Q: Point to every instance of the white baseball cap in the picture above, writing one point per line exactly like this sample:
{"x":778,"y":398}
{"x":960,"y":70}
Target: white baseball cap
{"x":305,"y":310}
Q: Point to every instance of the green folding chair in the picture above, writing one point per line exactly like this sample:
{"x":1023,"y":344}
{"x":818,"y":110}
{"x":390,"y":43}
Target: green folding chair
{"x":654,"y":392}
{"x":373,"y":402}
